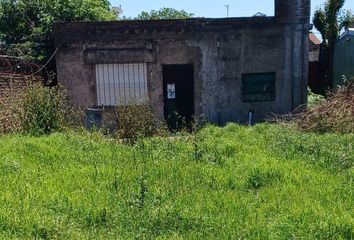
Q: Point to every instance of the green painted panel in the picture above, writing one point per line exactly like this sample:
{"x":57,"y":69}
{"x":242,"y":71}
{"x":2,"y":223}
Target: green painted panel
{"x":344,"y":59}
{"x":258,"y":87}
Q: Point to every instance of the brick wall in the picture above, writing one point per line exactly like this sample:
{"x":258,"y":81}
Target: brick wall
{"x":293,"y":11}
{"x":11,"y":89}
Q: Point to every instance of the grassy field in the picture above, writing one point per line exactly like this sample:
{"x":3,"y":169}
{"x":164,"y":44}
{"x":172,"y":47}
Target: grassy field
{"x":263,"y":182}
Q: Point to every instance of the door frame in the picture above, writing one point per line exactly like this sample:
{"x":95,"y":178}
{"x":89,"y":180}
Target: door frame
{"x":165,"y":82}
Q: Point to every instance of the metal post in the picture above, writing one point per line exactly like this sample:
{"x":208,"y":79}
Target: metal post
{"x":227,"y":9}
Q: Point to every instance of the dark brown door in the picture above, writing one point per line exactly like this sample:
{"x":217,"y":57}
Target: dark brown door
{"x":178,"y":84}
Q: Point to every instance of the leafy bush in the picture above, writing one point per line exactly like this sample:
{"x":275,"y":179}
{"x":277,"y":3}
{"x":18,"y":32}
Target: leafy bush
{"x":136,"y":120}
{"x":44,"y":110}
{"x":314,"y":99}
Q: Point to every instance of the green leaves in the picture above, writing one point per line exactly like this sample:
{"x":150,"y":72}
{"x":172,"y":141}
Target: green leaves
{"x":26,"y":24}
{"x":330,"y":19}
{"x":164,"y":13}
{"x":314,"y":99}
{"x":319,"y":20}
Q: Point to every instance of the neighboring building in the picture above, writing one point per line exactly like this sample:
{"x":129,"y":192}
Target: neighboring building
{"x":314,"y":62}
{"x":223,"y":68}
{"x":314,"y":48}
{"x":344,"y":57}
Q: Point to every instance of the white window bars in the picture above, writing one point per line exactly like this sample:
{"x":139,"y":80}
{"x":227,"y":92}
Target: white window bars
{"x":121,"y":84}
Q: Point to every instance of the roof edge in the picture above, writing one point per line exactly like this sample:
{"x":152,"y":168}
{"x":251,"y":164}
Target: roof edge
{"x":162,"y":21}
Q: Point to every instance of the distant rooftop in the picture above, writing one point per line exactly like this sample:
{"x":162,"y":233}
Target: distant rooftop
{"x":314,"y":39}
{"x":349,"y":32}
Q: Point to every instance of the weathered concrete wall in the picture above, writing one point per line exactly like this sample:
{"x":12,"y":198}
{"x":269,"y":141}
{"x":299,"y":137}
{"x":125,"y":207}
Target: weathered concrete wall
{"x":221,"y":50}
{"x":76,"y":76}
{"x":295,"y":14}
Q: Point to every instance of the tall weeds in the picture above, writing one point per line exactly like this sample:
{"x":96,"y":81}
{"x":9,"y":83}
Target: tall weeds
{"x":45,"y":110}
{"x":36,"y":109}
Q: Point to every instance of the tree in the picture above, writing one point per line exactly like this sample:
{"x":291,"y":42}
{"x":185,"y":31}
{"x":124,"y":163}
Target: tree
{"x":330,"y":20}
{"x":164,"y":13}
{"x":25,"y":25}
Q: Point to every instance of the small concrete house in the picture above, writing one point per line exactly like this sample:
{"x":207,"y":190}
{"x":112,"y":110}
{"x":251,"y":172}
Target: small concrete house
{"x":222,"y":68}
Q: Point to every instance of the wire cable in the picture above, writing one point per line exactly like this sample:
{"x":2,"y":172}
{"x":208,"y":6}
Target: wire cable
{"x":45,"y":65}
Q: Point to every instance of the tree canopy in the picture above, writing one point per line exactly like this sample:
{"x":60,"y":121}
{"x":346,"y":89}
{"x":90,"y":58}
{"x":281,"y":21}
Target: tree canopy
{"x":164,"y":13}
{"x":25,"y":25}
{"x":330,"y":19}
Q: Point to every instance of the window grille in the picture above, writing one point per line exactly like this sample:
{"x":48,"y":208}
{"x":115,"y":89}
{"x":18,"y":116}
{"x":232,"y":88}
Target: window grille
{"x":258,"y":87}
{"x":121,"y":84}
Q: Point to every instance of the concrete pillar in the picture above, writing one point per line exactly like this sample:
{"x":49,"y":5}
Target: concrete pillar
{"x":295,"y":14}
{"x":293,"y":11}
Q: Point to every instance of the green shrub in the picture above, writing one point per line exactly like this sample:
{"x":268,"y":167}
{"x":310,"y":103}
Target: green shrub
{"x":136,"y":120}
{"x":44,"y":110}
{"x":314,"y":99}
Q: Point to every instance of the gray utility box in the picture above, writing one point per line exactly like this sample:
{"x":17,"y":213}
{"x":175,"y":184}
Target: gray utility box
{"x":93,"y":118}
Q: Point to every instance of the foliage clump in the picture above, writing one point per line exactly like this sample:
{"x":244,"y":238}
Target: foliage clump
{"x":164,"y":13}
{"x":336,"y":114}
{"x":137,"y":120}
{"x":36,"y":109}
{"x":25,"y":25}
{"x":314,"y":99}
{"x":45,"y":110}
{"x":330,"y":19}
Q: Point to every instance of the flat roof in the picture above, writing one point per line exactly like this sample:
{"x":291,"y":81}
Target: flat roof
{"x":163,"y":22}
{"x":74,"y":31}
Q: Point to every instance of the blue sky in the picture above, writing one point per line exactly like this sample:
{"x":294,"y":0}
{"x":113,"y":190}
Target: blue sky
{"x":208,"y":8}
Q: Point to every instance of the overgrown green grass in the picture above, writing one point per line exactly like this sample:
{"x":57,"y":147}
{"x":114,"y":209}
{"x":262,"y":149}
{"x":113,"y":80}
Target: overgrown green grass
{"x":263,"y":182}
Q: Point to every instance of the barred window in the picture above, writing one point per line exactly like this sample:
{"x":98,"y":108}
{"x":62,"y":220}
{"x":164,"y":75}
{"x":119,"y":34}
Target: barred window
{"x":258,"y":87}
{"x":121,"y":84}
